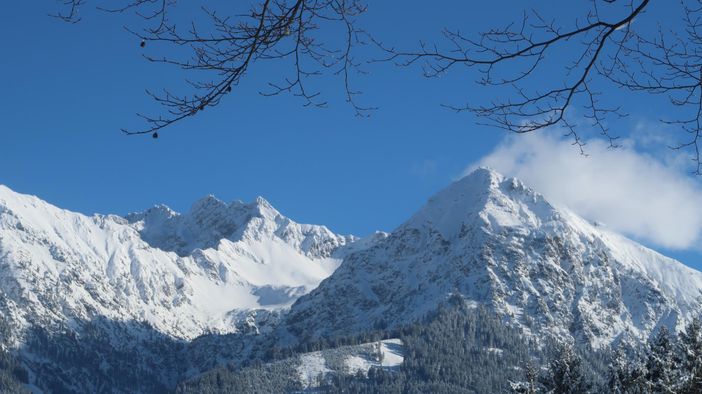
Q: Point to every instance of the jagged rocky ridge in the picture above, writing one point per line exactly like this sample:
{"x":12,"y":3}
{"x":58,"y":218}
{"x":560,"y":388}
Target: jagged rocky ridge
{"x":183,"y":274}
{"x":150,"y":283}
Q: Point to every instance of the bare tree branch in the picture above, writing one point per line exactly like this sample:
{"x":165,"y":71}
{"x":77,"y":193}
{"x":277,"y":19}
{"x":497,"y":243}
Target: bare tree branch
{"x":554,"y":70}
{"x":531,"y":109}
{"x":286,"y":31}
{"x":604,"y":48}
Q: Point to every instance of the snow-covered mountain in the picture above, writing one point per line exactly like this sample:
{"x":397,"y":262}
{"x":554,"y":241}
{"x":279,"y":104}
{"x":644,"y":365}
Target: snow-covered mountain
{"x":495,"y":242}
{"x":158,"y":297}
{"x":185,"y":275}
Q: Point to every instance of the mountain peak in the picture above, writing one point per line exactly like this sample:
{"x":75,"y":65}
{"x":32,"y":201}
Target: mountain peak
{"x":157,"y":213}
{"x":483,"y":198}
{"x":483,"y":174}
{"x":208,"y":202}
{"x":497,"y":243}
{"x":262,"y":201}
{"x":211,"y":220}
{"x":186,"y":274}
{"x":264,"y":208}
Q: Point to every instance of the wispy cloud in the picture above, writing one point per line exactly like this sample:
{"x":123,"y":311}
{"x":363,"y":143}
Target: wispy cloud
{"x":651,"y":197}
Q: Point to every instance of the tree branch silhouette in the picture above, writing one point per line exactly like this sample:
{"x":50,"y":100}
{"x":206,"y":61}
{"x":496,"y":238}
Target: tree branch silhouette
{"x":272,"y":30}
{"x":553,"y":70}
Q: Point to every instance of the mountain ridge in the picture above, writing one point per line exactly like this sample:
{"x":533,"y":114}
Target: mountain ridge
{"x":219,"y":283}
{"x":495,"y":242}
{"x":251,"y":253}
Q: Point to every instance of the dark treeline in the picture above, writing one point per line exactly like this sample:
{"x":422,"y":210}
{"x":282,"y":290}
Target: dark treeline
{"x":456,"y":350}
{"x":13,"y":376}
{"x":461,"y":350}
{"x":667,"y":364}
{"x":465,"y":350}
{"x":670,"y":364}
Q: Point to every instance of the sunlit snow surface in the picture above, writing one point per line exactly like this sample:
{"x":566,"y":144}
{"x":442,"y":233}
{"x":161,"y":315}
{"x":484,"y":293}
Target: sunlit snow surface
{"x":224,"y":267}
{"x":184,"y":274}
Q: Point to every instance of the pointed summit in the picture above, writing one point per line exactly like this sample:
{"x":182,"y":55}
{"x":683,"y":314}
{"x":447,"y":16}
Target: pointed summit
{"x":484,"y":199}
{"x":263,"y":208}
{"x":483,"y":174}
{"x":207,"y":202}
{"x":262,"y":201}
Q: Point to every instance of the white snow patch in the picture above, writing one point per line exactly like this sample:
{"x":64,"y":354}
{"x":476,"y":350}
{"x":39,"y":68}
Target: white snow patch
{"x":391,"y":356}
{"x":357,"y":363}
{"x":311,"y":366}
{"x":393,"y":353}
{"x":494,"y":350}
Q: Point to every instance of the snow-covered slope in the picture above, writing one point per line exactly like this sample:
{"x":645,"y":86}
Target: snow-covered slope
{"x":497,"y":243}
{"x":304,"y":372}
{"x":185,"y":275}
{"x":349,"y":360}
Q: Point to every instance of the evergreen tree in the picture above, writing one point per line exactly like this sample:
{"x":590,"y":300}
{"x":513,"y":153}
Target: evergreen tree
{"x":637,"y":382}
{"x":565,"y":374}
{"x":690,"y":344}
{"x":531,"y":383}
{"x":618,"y":372}
{"x":661,"y":364}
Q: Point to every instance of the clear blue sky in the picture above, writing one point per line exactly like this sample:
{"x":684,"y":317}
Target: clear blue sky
{"x":68,"y":89}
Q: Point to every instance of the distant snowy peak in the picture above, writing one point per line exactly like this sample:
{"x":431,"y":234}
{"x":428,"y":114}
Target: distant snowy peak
{"x":211,"y":220}
{"x":208,"y":270}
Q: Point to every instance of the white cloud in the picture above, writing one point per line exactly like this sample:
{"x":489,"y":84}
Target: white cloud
{"x":628,"y":190}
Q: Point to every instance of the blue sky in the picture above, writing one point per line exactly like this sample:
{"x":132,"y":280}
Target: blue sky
{"x":68,"y":89}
